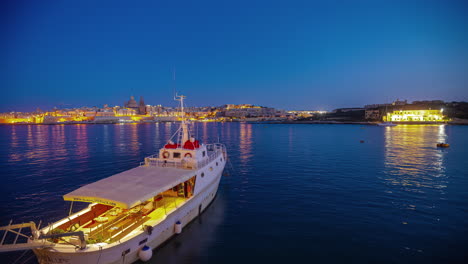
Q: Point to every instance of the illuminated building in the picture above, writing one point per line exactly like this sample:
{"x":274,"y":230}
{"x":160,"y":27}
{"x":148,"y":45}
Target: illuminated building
{"x":415,"y":116}
{"x":126,"y":112}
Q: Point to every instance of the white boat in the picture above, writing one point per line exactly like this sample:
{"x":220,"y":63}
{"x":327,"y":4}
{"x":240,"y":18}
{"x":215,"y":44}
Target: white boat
{"x":386,"y":124}
{"x":133,"y":212}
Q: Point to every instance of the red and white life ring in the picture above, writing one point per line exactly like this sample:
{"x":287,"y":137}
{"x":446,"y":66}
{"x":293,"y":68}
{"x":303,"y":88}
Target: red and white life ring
{"x":166,"y":154}
{"x":187,"y":155}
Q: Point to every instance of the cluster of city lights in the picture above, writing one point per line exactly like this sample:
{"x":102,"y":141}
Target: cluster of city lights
{"x":416,"y":116}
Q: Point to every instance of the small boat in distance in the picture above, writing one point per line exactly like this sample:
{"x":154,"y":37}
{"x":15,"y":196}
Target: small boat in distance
{"x":386,"y":124}
{"x":130,"y":213}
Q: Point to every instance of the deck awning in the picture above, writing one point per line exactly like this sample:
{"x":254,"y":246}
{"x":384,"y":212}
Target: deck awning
{"x":131,"y":187}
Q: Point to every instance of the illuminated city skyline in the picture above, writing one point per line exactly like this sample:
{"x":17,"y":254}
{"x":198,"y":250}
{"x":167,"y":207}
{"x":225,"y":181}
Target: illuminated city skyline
{"x":295,"y":55}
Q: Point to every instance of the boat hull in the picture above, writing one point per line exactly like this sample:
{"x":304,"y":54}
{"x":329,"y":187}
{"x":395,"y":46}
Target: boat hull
{"x":127,"y":251}
{"x":386,"y":124}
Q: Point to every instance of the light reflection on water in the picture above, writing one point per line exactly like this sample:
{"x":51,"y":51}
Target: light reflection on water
{"x":82,"y":141}
{"x":135,"y":146}
{"x":245,"y":142}
{"x":106,"y":138}
{"x":205,"y":132}
{"x":412,"y":160}
{"x":58,"y":141}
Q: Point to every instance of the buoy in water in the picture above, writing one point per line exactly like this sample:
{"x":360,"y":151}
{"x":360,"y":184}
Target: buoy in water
{"x":178,"y":227}
{"x":145,"y":253}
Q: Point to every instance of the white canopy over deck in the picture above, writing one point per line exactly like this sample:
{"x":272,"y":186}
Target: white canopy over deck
{"x":130,"y":188}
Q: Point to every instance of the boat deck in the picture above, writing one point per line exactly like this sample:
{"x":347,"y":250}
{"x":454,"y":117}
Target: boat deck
{"x":116,"y":223}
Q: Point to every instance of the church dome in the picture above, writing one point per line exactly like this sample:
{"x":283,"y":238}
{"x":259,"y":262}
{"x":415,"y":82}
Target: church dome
{"x":131,"y":103}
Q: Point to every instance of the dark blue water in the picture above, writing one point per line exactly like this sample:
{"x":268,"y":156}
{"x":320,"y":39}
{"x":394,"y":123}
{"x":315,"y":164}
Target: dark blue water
{"x":294,"y":193}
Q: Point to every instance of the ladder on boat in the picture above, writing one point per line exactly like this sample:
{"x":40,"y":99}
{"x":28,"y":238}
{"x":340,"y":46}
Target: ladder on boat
{"x":14,"y":240}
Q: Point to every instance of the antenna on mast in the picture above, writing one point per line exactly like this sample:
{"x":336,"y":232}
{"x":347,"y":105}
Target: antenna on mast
{"x":181,"y":98}
{"x":174,"y":83}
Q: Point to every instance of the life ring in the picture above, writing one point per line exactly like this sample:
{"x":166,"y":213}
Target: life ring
{"x":187,"y":155}
{"x":165,"y":154}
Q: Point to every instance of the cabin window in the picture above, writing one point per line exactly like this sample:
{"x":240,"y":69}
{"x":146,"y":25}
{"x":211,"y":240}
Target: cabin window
{"x":125,"y":252}
{"x":204,"y":153}
{"x":176,"y":155}
{"x":203,"y":174}
{"x":143,"y":241}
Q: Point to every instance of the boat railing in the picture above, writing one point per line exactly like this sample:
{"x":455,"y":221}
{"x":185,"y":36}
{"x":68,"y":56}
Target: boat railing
{"x":214,"y":151}
{"x":37,"y":239}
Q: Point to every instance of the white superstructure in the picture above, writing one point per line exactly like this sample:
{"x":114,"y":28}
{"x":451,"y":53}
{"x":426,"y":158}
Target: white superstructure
{"x":386,"y":124}
{"x":135,"y":209}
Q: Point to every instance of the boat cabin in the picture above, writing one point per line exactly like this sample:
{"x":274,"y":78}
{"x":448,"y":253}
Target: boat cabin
{"x":191,"y":150}
{"x":186,"y":156}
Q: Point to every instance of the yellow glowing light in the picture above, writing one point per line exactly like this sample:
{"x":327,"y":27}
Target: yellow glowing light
{"x":416,"y":116}
{"x":18,"y":120}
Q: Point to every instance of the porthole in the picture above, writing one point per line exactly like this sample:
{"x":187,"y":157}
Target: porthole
{"x":216,"y":163}
{"x":221,"y":159}
{"x":203,"y":174}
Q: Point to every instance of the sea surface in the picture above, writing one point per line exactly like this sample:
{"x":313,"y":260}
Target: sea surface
{"x":292,"y":193}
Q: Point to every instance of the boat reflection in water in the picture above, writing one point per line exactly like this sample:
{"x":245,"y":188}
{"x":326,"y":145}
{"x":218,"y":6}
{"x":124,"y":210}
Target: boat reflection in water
{"x":189,"y":246}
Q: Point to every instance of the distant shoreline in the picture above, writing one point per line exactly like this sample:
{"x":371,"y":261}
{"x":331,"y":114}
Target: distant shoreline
{"x":465,"y":122}
{"x":458,"y":122}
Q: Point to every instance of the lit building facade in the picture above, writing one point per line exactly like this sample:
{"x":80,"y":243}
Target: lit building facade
{"x":416,"y":116}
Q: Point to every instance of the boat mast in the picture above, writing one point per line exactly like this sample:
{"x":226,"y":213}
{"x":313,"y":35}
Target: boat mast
{"x":183,"y":126}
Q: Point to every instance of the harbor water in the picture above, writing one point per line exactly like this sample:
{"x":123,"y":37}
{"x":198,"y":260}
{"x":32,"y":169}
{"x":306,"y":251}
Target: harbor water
{"x":291,"y":192}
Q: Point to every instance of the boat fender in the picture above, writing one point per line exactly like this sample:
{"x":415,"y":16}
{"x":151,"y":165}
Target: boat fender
{"x":178,"y":227}
{"x":149,"y":229}
{"x":188,"y":155}
{"x":145,"y":253}
{"x":165,"y":154}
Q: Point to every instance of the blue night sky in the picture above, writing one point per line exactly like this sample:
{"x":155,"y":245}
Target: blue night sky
{"x":285,"y":54}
